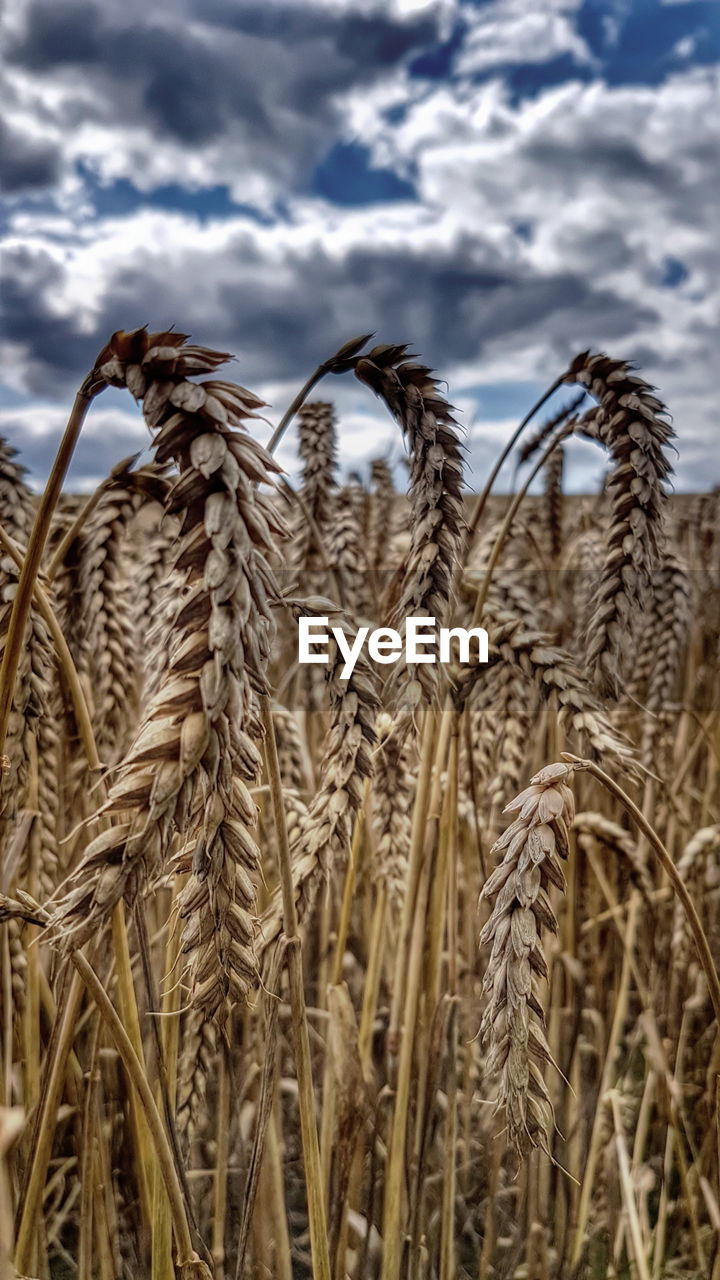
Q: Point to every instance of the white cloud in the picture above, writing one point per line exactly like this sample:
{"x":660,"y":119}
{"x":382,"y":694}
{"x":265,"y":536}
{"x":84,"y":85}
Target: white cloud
{"x":685,"y":48}
{"x":403,"y":10}
{"x":520,"y":32}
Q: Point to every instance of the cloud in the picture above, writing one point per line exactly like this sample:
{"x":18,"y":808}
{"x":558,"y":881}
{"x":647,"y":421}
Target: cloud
{"x":518,"y":32}
{"x":284,"y":297}
{"x":685,"y":47}
{"x":35,"y":431}
{"x":522,"y":229}
{"x":27,"y":163}
{"x":205,"y":94}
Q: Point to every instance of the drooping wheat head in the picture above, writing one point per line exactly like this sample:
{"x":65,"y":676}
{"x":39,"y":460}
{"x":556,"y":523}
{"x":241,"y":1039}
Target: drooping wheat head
{"x":190,"y":765}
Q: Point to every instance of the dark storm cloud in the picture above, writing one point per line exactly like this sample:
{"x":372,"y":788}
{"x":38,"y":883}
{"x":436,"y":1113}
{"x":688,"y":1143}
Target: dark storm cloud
{"x":56,"y":343}
{"x":25,"y":163}
{"x":281,"y":325}
{"x":266,"y":74}
{"x":371,"y":40}
{"x":56,"y":36}
{"x":444,"y":308}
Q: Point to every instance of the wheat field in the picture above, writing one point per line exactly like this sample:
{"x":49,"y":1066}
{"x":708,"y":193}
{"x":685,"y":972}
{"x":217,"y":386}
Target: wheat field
{"x":412,"y":974}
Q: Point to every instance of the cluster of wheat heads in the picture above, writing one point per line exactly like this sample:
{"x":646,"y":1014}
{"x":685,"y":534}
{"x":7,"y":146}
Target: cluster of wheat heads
{"x":411,"y":975}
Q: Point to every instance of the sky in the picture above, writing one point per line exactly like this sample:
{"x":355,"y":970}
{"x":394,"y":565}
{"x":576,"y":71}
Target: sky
{"x":500,"y":184}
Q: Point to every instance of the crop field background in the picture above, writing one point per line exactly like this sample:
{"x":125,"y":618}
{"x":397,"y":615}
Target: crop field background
{"x":413,"y":974}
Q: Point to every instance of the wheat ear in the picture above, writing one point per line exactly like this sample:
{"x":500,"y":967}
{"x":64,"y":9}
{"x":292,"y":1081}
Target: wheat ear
{"x":190,"y":765}
{"x":635,"y":430}
{"x":317,"y":447}
{"x":436,"y":478}
{"x":324,"y":835}
{"x":534,"y":846}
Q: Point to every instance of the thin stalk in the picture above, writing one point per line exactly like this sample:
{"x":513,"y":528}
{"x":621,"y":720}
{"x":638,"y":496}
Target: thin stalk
{"x":340,"y":362}
{"x":395,"y":1171}
{"x":265,"y":1145}
{"x":425,"y":834}
{"x":303,"y":1062}
{"x":435,"y":1010}
{"x":87,"y":1163}
{"x":666,"y":862}
{"x":417,"y":844}
{"x":280,"y":1235}
{"x":372,"y":977}
{"x":131,"y":1021}
{"x":481,"y":503}
{"x":448,"y":1267}
{"x":593,"y":1154}
{"x":7,"y":1020}
{"x":64,"y":658}
{"x":170,"y":1035}
{"x":510,"y":514}
{"x":26,"y":1235}
{"x":106,"y":1229}
{"x":33,"y":556}
{"x":295,"y":407}
{"x":221,"y":1164}
{"x":628,"y":1192}
{"x":31,"y":1016}
{"x":161,"y":1147}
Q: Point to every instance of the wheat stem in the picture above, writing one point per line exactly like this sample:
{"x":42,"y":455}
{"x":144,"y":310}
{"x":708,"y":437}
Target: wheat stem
{"x":507,"y":523}
{"x":479,"y":508}
{"x":26,"y":1232}
{"x":33,"y":556}
{"x":338,"y":363}
{"x":606,"y":1080}
{"x":131,"y":1062}
{"x":696,"y":928}
{"x":63,"y":655}
{"x":306,"y":1096}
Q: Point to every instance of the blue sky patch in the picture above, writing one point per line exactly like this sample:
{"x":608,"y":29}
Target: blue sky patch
{"x":346,"y":177}
{"x":121,"y":198}
{"x":674,"y":273}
